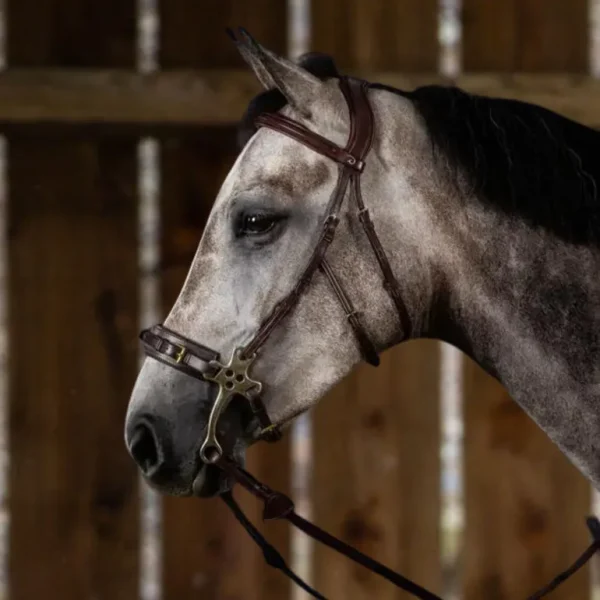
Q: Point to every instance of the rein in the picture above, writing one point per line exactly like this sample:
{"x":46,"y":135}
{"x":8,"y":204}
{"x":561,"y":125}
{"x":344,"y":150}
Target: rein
{"x":277,"y":505}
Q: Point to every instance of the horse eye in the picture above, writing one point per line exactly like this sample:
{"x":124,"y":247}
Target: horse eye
{"x":257,"y":224}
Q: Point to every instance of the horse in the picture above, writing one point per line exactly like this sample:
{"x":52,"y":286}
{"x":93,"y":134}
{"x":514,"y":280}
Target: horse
{"x":486,"y":224}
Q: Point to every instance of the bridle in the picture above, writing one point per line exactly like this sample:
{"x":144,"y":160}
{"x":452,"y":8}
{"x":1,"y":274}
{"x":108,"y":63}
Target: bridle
{"x":233,"y":378}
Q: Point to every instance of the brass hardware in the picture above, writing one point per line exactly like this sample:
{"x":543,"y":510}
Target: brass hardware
{"x":180,"y":354}
{"x":268,"y":429}
{"x":232,"y":379}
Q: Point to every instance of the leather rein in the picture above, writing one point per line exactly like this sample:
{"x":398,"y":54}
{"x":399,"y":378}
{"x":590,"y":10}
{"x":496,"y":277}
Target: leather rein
{"x":279,"y":506}
{"x":233,"y":379}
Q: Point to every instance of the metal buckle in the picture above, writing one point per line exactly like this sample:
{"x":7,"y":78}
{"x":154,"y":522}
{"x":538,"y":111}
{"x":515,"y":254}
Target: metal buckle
{"x":181,"y":353}
{"x":268,"y":429}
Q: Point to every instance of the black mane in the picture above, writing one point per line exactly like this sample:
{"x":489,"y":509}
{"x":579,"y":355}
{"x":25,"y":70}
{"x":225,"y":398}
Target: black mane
{"x":522,"y":159}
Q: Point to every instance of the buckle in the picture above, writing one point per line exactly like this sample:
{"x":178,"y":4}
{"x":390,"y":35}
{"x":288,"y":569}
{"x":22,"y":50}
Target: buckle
{"x":181,"y":353}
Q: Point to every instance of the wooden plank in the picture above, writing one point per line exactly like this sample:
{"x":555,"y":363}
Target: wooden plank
{"x":406,"y":33}
{"x":120,"y":96}
{"x":365,"y":488}
{"x":526,"y":35}
{"x":382,"y":466}
{"x":216,"y":547}
{"x":73,"y":318}
{"x":525,"y":503}
{"x":266,"y":20}
{"x":113,"y":102}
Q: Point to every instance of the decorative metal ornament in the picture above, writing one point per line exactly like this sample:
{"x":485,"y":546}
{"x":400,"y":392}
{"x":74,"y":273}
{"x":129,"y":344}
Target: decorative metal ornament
{"x":233,"y":380}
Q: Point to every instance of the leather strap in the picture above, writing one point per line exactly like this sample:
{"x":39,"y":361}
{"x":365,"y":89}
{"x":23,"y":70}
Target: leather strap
{"x":278,"y":506}
{"x":309,"y":138}
{"x":361,"y":116}
{"x":281,"y":309}
{"x":177,"y":351}
{"x":362,"y":108}
{"x":368,"y":351}
{"x":270,"y":553}
{"x":390,"y":283}
{"x":351,"y":161}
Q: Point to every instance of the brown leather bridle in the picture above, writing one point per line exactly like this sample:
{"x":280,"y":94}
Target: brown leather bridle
{"x":232,"y":376}
{"x":233,"y":379}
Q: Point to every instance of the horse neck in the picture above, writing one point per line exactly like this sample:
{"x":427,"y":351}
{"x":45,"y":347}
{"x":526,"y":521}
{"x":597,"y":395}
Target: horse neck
{"x":526,"y":307}
{"x":521,"y":302}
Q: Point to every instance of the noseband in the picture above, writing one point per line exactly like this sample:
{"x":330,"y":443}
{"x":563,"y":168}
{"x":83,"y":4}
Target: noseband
{"x":232,"y":377}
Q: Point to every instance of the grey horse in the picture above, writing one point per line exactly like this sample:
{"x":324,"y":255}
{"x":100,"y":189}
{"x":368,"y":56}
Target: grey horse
{"x":489,"y":214}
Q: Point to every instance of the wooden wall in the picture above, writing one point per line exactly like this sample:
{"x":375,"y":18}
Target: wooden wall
{"x":73,"y":320}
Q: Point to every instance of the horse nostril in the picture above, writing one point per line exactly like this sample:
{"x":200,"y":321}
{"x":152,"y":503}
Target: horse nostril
{"x":145,"y":450}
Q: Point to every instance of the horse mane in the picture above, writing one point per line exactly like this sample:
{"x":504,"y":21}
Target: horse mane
{"x":518,"y":158}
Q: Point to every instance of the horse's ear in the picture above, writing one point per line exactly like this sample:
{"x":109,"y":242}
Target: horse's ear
{"x":298,"y":85}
